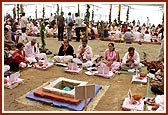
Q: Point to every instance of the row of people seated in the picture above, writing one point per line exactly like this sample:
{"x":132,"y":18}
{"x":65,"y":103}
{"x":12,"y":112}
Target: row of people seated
{"x":111,"y":56}
{"x":24,"y":55}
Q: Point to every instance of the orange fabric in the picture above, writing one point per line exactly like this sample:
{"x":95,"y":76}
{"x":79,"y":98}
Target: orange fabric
{"x":39,"y":92}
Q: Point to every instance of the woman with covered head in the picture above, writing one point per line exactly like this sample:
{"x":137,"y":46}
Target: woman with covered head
{"x":111,"y":58}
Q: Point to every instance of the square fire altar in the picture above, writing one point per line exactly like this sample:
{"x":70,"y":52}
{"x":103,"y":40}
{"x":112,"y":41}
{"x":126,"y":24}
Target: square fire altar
{"x":63,"y":86}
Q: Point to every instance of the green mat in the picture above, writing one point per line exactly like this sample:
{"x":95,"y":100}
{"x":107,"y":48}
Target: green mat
{"x":144,"y":69}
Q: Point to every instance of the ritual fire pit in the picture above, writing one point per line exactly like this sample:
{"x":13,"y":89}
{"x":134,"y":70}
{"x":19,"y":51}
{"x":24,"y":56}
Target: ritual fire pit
{"x":63,"y":86}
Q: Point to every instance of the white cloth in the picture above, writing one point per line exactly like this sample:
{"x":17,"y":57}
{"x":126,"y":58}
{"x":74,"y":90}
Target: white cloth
{"x":6,"y":68}
{"x":136,"y":58}
{"x":32,"y":52}
{"x":63,"y":59}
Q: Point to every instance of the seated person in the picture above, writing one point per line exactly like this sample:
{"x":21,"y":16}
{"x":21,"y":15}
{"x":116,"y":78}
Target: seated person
{"x":111,"y":58}
{"x":66,"y":52}
{"x":8,"y":43}
{"x":157,"y":86}
{"x":32,"y":51}
{"x":18,"y":59}
{"x":159,"y":103}
{"x":84,"y":52}
{"x":131,"y":60}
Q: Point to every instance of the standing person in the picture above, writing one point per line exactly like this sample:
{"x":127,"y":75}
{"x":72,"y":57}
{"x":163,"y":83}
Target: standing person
{"x":78,"y":23}
{"x":61,"y":24}
{"x":131,"y":60}
{"x":24,"y":23}
{"x":69,"y":28}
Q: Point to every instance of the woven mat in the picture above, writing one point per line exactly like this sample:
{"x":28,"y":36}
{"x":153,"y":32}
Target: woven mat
{"x":46,"y":107}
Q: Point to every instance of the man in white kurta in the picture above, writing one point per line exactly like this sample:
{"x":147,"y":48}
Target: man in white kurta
{"x":131,"y":60}
{"x":32,"y":51}
{"x":84,"y":52}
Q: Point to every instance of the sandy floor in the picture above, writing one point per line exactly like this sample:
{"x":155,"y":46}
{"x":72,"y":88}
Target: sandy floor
{"x":111,"y":100}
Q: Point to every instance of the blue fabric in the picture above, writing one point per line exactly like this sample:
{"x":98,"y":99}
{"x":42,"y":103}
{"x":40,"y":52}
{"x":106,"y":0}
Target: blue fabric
{"x":78,"y":107}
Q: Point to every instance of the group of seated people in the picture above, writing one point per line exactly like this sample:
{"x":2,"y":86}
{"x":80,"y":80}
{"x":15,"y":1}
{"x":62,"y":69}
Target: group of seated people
{"x":24,"y":55}
{"x":133,"y":33}
{"x":110,"y":59}
{"x":29,"y":53}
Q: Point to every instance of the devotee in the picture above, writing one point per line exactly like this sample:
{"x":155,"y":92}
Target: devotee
{"x":131,"y":60}
{"x":8,"y":43}
{"x":69,"y":28}
{"x":159,"y":103}
{"x":61,"y":24}
{"x":18,"y":59}
{"x":32,"y":51}
{"x":111,"y":58}
{"x":147,"y":36}
{"x":157,"y":85}
{"x":128,"y":36}
{"x":24,"y":23}
{"x":78,"y":23}
{"x":66,"y":52}
{"x":84,"y":52}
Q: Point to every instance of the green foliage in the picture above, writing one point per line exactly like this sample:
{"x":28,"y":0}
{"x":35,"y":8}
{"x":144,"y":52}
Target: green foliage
{"x":42,"y":35}
{"x":14,"y":12}
{"x":92,"y":15}
{"x":110,"y":16}
{"x":57,"y":12}
{"x":127,"y":15}
{"x":43,"y":12}
{"x":78,"y":10}
{"x":18,"y":12}
{"x":36,"y":12}
{"x":87,"y":15}
{"x":144,"y":55}
{"x":21,"y":8}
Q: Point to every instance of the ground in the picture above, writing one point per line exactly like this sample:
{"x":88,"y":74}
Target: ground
{"x":111,"y":100}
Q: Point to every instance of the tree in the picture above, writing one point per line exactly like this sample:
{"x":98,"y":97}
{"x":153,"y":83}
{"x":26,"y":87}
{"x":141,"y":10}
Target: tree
{"x":21,"y":8}
{"x":36,"y":12}
{"x":18,"y":12}
{"x":14,"y":12}
{"x":87,"y":16}
{"x":43,"y":12}
{"x":119,"y":11}
{"x":78,"y":10}
{"x":93,"y":14}
{"x":127,"y":15}
{"x":110,"y":14}
{"x":57,"y":12}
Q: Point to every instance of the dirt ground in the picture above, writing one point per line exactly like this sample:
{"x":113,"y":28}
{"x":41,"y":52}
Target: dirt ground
{"x":111,"y":100}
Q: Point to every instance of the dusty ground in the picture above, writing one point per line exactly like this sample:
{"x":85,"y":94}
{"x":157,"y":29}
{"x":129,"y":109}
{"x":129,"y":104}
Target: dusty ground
{"x":113,"y":97}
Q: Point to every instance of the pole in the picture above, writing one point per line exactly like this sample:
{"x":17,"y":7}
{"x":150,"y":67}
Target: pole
{"x":85,"y":93}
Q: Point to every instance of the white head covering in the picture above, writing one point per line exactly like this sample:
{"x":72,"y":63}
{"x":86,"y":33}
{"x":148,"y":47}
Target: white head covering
{"x":8,"y":26}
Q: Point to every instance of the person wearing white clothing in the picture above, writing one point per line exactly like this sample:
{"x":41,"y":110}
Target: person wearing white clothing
{"x":147,"y":37}
{"x":24,"y":23}
{"x":69,"y":28}
{"x":84,"y":52}
{"x":32,"y":51}
{"x":131,"y":60}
